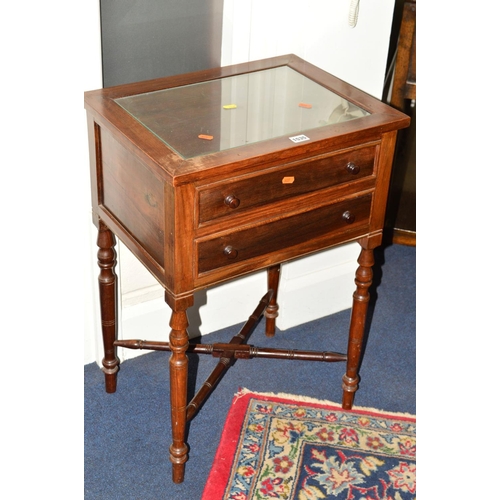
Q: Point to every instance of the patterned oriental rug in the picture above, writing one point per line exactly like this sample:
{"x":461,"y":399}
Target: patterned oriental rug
{"x":289,"y":447}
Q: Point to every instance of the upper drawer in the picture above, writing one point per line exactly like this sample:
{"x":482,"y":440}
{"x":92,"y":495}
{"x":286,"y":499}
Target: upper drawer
{"x":229,"y":197}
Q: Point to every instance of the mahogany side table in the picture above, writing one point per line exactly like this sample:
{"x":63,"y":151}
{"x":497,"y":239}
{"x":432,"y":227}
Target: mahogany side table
{"x":215,"y":174}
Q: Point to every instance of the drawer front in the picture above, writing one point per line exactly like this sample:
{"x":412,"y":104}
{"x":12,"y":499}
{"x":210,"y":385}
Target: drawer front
{"x":281,"y":183}
{"x":347,"y":218}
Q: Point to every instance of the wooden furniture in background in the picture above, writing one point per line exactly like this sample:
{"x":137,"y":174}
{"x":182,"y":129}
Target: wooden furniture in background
{"x":405,"y":69}
{"x":401,"y":210}
{"x":219,"y":173}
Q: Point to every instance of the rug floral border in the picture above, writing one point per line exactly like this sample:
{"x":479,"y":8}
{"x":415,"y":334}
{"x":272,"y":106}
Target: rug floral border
{"x":307,"y":450}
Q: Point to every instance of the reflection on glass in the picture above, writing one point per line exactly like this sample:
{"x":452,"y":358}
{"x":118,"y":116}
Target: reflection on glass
{"x":216,"y":115}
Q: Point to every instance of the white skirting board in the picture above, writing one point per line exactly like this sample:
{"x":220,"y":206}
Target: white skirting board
{"x":317,"y":285}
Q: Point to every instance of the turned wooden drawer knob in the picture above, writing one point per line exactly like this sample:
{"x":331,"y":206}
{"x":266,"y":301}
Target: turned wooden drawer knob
{"x":230,"y":252}
{"x":348,"y":217}
{"x":352,"y":168}
{"x":231,"y":201}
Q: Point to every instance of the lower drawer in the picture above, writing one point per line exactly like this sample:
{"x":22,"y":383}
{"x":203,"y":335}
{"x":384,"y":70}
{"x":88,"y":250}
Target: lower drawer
{"x":348,"y":216}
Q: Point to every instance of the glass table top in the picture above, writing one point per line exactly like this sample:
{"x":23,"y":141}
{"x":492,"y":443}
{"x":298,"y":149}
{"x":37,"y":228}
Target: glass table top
{"x":213,"y":116}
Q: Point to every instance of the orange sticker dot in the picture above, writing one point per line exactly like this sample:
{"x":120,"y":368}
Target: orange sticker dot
{"x":206,"y":137}
{"x":305,"y":105}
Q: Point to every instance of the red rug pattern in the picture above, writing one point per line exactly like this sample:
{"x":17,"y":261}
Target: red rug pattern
{"x":288,"y":447}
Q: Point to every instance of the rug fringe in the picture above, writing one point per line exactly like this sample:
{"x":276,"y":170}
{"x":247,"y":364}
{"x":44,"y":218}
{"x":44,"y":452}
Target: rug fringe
{"x":243,"y":391}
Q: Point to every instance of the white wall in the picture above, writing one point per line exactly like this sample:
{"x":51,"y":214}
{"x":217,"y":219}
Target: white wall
{"x":318,"y":32}
{"x":311,"y":287}
{"x":50,"y":55}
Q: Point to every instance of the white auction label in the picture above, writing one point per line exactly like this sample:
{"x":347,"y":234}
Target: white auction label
{"x":299,"y":138}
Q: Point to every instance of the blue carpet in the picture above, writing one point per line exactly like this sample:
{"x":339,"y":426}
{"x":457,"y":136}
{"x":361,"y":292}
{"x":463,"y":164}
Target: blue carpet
{"x":127,"y":434}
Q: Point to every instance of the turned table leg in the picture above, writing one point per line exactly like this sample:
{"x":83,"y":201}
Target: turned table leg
{"x":271,"y":312}
{"x":106,"y":258}
{"x":361,"y":298}
{"x":179,"y":341}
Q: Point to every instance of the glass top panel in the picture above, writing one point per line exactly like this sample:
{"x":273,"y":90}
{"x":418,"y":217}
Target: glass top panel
{"x":213,"y":116}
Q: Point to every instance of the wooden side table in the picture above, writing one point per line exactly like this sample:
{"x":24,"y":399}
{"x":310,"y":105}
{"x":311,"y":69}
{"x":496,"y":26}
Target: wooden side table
{"x":219,"y":173}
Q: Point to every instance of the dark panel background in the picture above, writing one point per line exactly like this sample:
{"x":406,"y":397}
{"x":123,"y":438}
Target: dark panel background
{"x":144,"y":39}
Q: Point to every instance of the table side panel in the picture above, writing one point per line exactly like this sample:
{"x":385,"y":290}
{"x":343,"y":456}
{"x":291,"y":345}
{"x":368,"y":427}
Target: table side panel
{"x":133,"y":195}
{"x":94,"y":138}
